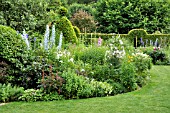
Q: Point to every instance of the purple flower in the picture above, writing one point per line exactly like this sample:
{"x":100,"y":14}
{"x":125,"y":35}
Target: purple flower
{"x":35,"y":39}
{"x":99,"y":41}
{"x":26,"y":35}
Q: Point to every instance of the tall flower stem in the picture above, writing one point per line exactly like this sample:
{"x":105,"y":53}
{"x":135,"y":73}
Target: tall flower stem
{"x":60,"y":41}
{"x":52,"y":39}
{"x":25,"y":38}
{"x":46,"y":37}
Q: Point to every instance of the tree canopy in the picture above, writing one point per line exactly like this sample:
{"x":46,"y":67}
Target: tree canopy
{"x":120,"y":16}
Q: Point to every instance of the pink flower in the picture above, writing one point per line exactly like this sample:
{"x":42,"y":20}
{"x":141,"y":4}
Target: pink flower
{"x":99,"y":41}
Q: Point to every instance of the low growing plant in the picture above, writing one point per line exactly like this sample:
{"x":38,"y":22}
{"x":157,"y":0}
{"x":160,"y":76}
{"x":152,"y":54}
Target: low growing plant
{"x":31,"y":95}
{"x":10,"y":93}
{"x":75,"y":86}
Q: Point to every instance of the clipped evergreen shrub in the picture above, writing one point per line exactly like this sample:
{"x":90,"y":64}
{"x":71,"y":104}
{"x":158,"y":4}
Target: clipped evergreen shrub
{"x":137,"y":33}
{"x":63,"y":11}
{"x":77,"y":31}
{"x":12,"y":46}
{"x":67,"y":29}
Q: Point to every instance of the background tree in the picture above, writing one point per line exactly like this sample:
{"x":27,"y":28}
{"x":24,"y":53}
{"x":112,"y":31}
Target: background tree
{"x":83,"y":21}
{"x":115,"y":16}
{"x":81,"y":1}
{"x":23,"y":14}
{"x":73,"y":8}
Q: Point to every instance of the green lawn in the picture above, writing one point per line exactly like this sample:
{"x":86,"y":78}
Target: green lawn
{"x":153,"y":98}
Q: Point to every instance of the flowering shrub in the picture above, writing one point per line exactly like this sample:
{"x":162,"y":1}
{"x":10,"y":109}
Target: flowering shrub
{"x":158,"y":55}
{"x":116,"y":51}
{"x":101,"y":88}
{"x":142,"y":62}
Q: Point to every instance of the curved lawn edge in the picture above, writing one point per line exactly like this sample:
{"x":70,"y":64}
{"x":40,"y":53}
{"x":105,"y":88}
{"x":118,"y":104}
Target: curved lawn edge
{"x":152,"y":98}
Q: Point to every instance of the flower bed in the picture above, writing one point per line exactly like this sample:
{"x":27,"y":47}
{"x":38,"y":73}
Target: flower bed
{"x":75,"y":71}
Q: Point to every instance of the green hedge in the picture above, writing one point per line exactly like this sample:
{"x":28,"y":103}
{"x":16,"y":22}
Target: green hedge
{"x":139,"y":33}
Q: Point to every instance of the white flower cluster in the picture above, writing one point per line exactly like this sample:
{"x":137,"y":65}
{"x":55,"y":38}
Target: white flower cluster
{"x":107,"y":88}
{"x":139,"y":54}
{"x":64,"y":54}
{"x":116,"y":48}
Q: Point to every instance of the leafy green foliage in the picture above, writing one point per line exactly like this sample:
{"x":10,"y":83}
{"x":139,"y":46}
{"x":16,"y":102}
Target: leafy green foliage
{"x":127,"y":76}
{"x":80,"y":1}
{"x":101,"y":88}
{"x":31,"y":95}
{"x":4,"y":68}
{"x":24,"y":14}
{"x":12,"y":51}
{"x":121,"y":16}
{"x":143,"y":63}
{"x":52,"y":97}
{"x":80,"y":87}
{"x":10,"y":93}
{"x":73,"y":8}
{"x":93,"y":55}
{"x":51,"y":83}
{"x":76,"y":86}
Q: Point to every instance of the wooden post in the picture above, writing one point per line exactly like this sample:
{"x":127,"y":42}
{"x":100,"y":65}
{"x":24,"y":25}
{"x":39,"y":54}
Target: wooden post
{"x":136,"y":42}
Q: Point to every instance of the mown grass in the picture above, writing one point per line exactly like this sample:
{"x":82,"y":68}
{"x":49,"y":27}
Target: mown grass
{"x":152,"y":98}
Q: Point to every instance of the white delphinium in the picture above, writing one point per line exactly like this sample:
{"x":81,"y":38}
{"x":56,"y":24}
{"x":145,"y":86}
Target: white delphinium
{"x":60,"y":41}
{"x":25,"y":38}
{"x":46,"y":37}
{"x":156,"y":42}
{"x":151,"y":43}
{"x":52,"y":39}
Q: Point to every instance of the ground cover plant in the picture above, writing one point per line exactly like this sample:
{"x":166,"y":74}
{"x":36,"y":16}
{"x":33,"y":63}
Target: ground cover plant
{"x":152,"y":98}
